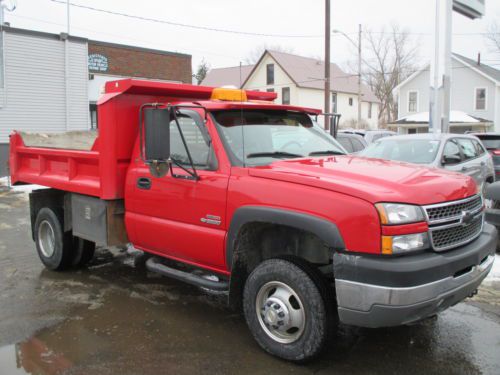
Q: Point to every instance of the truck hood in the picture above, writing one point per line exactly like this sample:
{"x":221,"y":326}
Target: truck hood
{"x":374,"y":180}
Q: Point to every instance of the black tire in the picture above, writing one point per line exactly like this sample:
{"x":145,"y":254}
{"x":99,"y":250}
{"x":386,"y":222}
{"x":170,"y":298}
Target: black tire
{"x":54,"y":247}
{"x":298,"y":344}
{"x":83,"y":252}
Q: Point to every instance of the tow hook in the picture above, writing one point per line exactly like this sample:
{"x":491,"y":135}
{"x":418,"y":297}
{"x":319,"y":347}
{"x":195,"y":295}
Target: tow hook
{"x":473,"y":293}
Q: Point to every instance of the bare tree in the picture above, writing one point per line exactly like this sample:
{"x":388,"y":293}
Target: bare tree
{"x":254,"y":55}
{"x":493,"y":36}
{"x":201,"y":71}
{"x":390,"y":56}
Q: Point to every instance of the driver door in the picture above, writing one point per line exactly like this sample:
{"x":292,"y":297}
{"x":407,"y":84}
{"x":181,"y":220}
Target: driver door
{"x":178,"y":217}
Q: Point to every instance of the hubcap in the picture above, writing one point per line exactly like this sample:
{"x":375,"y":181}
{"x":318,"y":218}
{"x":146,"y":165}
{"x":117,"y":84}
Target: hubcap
{"x":281,"y":312}
{"x":46,"y":239}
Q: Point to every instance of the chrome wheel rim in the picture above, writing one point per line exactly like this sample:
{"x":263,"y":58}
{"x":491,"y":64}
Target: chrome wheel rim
{"x":46,"y":239}
{"x":280,"y":312}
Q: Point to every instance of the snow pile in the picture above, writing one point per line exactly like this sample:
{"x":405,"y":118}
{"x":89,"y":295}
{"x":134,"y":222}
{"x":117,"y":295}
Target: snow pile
{"x":455,"y":117}
{"x":21,"y":188}
{"x":494,"y":274}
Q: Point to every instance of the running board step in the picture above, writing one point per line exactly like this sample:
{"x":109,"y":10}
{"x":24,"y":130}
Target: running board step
{"x":154,"y":265}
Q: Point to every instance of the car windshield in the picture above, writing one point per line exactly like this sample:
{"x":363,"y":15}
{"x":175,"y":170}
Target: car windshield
{"x":420,"y":151}
{"x":260,"y":137}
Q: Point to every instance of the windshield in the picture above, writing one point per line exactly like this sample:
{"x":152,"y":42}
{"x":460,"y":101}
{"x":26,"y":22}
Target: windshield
{"x":260,"y":137}
{"x":420,"y":151}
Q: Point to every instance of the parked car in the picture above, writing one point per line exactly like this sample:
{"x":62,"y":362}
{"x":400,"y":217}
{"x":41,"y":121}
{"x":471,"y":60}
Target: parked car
{"x":492,"y":143}
{"x":455,"y":152}
{"x":353,"y":143}
{"x":370,"y":136}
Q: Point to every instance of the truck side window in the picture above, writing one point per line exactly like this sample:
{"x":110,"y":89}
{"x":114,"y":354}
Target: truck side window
{"x":202,"y":154}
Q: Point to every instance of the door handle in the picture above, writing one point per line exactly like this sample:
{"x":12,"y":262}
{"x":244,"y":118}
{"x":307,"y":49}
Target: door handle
{"x":483,"y":163}
{"x":465,"y":169}
{"x":144,"y":183}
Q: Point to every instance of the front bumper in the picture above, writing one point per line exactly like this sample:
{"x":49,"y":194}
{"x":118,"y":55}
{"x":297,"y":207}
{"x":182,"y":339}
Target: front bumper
{"x":382,"y":292}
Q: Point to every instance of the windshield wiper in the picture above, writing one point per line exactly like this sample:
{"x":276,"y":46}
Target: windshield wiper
{"x":274,"y":154}
{"x":326,"y":152}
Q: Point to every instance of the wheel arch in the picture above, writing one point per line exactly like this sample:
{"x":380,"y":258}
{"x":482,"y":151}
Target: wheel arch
{"x":249,"y":222}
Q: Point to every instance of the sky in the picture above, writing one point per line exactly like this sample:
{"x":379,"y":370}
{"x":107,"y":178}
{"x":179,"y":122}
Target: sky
{"x":286,"y":18}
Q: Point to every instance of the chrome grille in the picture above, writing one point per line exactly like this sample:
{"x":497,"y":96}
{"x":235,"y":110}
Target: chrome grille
{"x":451,"y":210}
{"x":447,"y":238}
{"x":452,"y":224}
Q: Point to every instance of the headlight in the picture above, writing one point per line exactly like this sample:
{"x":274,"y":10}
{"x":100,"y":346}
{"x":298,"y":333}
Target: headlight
{"x":395,"y":213}
{"x":405,"y":243}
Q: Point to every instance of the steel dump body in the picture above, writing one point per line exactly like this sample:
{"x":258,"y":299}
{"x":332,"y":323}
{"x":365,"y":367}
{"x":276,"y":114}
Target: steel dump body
{"x":100,"y":171}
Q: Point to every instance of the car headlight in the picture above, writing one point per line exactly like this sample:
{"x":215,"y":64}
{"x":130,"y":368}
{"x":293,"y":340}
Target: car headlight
{"x":395,"y":213}
{"x":404,"y":243}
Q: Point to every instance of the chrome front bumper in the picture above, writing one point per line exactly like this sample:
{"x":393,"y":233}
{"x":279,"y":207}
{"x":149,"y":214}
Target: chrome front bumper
{"x":370,"y":304}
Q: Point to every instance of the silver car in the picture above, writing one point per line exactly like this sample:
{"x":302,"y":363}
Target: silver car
{"x":455,"y":152}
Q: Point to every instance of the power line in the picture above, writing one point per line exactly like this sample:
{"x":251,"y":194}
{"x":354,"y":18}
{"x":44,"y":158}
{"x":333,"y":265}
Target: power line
{"x":190,"y":26}
{"x":209,"y":53}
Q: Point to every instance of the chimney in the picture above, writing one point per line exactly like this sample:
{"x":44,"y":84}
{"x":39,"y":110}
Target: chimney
{"x":479,"y":58}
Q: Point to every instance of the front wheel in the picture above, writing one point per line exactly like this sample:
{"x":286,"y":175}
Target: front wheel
{"x":286,"y":310}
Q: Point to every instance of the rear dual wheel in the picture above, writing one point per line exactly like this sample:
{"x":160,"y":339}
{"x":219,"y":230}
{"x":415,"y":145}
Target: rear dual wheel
{"x":59,"y":250}
{"x":287,"y":309}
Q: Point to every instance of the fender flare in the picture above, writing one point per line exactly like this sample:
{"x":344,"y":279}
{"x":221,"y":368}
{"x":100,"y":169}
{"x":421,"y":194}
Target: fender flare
{"x":324,"y":229}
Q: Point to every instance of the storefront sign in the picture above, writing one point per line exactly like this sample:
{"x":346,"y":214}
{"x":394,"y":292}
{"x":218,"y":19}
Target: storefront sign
{"x":98,"y":62}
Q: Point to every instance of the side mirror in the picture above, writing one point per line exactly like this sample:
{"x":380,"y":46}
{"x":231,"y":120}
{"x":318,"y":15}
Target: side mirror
{"x":156,"y":134}
{"x":450,"y":160}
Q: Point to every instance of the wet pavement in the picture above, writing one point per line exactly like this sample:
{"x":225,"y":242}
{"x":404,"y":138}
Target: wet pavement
{"x":116,"y":318}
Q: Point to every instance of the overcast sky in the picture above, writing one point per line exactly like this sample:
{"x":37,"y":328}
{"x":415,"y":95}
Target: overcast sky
{"x":284,"y":17}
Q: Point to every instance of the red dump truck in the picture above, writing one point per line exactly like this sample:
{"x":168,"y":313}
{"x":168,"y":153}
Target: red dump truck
{"x":238,"y":195}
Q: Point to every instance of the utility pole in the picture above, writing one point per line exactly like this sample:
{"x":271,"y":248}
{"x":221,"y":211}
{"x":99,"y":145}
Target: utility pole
{"x":359,"y":77}
{"x":440,"y":74}
{"x":327,"y":64}
{"x":67,"y":15}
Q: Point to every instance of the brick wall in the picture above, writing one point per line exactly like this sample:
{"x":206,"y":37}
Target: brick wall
{"x":144,"y":63}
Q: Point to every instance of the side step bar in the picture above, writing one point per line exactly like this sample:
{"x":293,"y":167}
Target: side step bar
{"x":154,"y":265}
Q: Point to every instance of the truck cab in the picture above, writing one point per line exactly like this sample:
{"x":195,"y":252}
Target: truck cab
{"x":226,"y":190}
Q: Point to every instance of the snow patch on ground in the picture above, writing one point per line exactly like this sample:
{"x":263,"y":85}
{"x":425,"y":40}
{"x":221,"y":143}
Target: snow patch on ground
{"x":4,"y":181}
{"x":494,"y":274}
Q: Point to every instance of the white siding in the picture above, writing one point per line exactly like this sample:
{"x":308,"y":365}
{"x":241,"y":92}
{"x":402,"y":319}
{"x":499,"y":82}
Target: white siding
{"x":258,"y":81}
{"x":35,"y":91}
{"x":306,"y":97}
{"x":464,"y":81}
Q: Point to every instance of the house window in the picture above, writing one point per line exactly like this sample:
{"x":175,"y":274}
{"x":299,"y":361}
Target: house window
{"x":285,"y":95}
{"x":270,"y":74}
{"x":412,"y":101}
{"x":334,"y":102}
{"x":350,"y":101}
{"x":270,"y":90}
{"x":93,"y":116}
{"x":370,"y":110}
{"x":480,"y":99}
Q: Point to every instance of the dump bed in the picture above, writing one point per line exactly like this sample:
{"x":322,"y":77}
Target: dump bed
{"x":96,"y":163}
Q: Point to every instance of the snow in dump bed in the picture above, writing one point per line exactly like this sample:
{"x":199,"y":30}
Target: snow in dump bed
{"x":455,"y":117}
{"x":74,"y":140}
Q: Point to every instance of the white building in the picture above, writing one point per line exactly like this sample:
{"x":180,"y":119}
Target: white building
{"x":475,"y":98}
{"x":51,"y":82}
{"x":299,"y":81}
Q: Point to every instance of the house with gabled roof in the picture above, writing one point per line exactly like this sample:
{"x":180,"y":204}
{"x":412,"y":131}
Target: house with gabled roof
{"x":299,"y":81}
{"x":475,"y":98}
